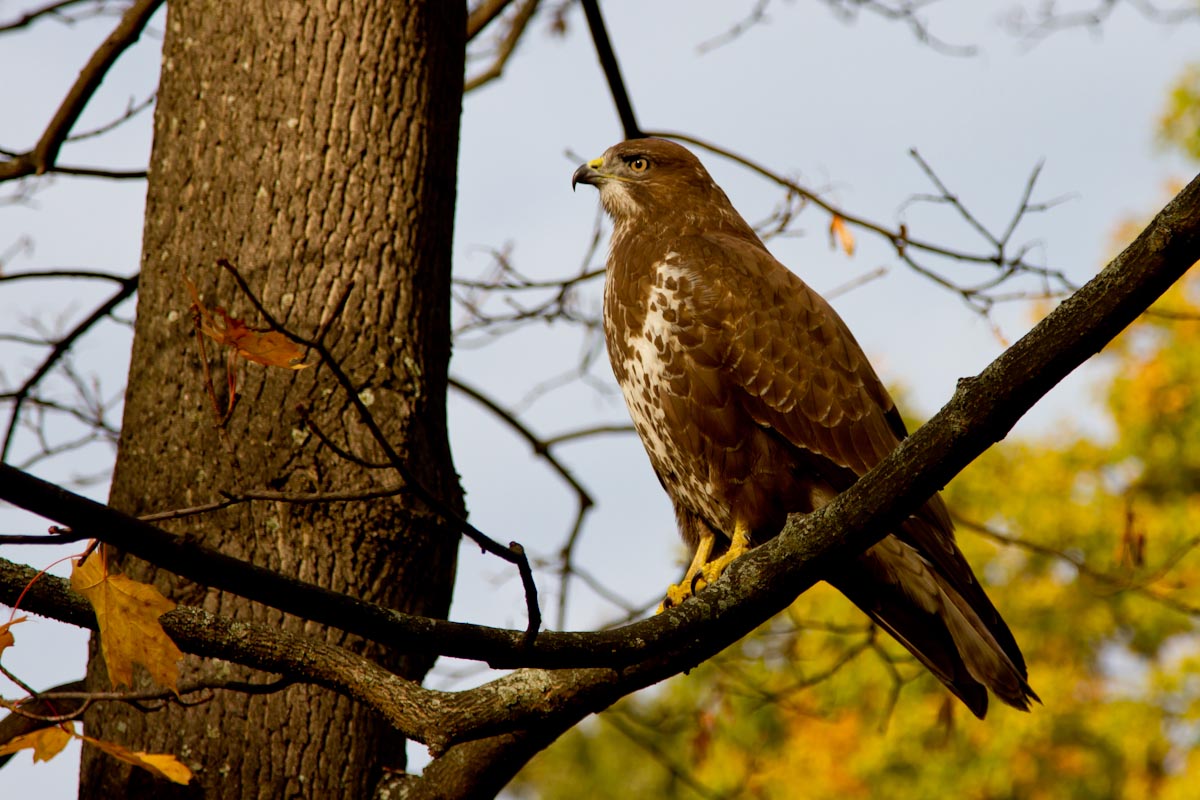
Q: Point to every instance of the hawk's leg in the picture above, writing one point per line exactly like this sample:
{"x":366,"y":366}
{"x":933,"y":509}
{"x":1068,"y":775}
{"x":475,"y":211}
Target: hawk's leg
{"x":704,"y":572}
{"x":740,"y":544}
{"x":681,"y":591}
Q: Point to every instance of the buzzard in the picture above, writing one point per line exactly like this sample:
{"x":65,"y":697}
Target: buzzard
{"x":754,"y":401}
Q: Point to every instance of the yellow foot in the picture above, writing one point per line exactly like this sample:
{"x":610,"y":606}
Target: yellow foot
{"x":681,"y":591}
{"x":740,"y":544}
{"x":703,"y":572}
{"x":676,"y":594}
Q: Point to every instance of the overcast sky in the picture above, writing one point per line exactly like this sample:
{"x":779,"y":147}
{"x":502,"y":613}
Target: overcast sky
{"x":837,"y":106}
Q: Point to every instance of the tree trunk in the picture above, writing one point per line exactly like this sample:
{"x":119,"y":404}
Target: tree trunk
{"x":313,"y":145}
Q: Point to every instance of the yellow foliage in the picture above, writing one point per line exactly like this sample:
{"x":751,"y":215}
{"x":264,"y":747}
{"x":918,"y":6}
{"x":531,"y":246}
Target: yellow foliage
{"x":160,"y":764}
{"x":46,"y":743}
{"x":127,"y":613}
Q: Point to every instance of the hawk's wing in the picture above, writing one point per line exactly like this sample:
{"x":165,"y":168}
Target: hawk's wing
{"x":798,"y":371}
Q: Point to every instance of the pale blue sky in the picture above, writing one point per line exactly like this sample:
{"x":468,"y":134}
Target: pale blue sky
{"x":836,"y":105}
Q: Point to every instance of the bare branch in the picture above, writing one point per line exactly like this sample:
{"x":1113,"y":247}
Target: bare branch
{"x":60,"y":349}
{"x":131,"y":111}
{"x":508,"y":46}
{"x":583,"y":498}
{"x":1036,"y":24}
{"x":907,"y":12}
{"x":979,"y":296}
{"x":14,"y":725}
{"x":44,"y":156}
{"x":756,"y":16}
{"x":66,"y":273}
{"x":612,"y":70}
{"x":295,"y":498}
{"x":483,"y":14}
{"x":54,"y":11}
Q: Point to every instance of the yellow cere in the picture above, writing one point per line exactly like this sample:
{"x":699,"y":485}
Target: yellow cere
{"x":596,"y":162}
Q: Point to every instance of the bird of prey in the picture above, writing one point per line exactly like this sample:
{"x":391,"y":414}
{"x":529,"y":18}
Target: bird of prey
{"x":754,"y":401}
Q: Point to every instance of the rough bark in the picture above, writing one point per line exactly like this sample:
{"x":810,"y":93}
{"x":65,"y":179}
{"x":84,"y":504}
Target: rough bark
{"x":314,"y":146}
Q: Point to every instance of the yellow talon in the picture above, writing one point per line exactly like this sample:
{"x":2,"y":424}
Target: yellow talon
{"x":703,"y":572}
{"x":738,"y":547}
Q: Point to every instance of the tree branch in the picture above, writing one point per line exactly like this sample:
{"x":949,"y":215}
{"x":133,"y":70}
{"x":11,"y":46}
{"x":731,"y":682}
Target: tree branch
{"x":612,"y":70}
{"x":53,"y":10}
{"x":44,"y":155}
{"x":508,"y":45}
{"x":60,"y":348}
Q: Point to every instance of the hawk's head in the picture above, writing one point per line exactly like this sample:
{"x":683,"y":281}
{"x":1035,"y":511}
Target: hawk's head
{"x":655,"y":179}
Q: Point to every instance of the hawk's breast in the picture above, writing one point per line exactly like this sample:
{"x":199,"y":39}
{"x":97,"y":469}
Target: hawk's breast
{"x":651,"y":336}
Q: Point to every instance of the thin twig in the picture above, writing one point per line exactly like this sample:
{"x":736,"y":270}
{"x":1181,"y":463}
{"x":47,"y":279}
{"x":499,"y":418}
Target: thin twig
{"x":53,"y":10}
{"x":295,"y":498}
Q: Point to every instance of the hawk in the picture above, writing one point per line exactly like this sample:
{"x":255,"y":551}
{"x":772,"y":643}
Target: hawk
{"x":754,"y":401}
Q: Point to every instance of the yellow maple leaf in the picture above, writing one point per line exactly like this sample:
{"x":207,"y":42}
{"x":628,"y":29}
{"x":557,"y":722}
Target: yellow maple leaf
{"x":6,"y":637}
{"x":839,"y":234}
{"x":163,"y":765}
{"x":46,"y":743}
{"x":127,"y":613}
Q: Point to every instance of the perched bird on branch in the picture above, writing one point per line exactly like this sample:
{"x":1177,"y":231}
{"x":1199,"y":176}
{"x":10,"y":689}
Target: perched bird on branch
{"x":754,"y":401}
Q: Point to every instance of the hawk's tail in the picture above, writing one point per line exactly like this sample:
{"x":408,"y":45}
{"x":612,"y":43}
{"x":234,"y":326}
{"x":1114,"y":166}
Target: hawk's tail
{"x":911,"y":600}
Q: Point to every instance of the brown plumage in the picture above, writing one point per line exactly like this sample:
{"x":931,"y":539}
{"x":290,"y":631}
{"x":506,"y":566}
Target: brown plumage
{"x":754,"y":401}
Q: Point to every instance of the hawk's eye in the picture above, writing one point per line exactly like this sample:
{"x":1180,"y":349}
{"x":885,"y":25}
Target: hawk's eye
{"x":638,"y":164}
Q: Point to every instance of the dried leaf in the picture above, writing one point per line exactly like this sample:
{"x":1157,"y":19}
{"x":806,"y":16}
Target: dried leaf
{"x":270,"y":348}
{"x":46,"y":743}
{"x":127,"y":613}
{"x":6,"y":637}
{"x":840,"y":235}
{"x":161,"y":764}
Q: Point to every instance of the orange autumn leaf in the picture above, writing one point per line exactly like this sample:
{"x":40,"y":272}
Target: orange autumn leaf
{"x":6,"y":637}
{"x":840,"y":235}
{"x":127,"y":613}
{"x":45,"y":744}
{"x":161,"y":764}
{"x":270,"y":348}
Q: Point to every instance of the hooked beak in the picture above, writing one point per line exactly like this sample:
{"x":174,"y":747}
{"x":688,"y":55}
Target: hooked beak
{"x":588,"y":173}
